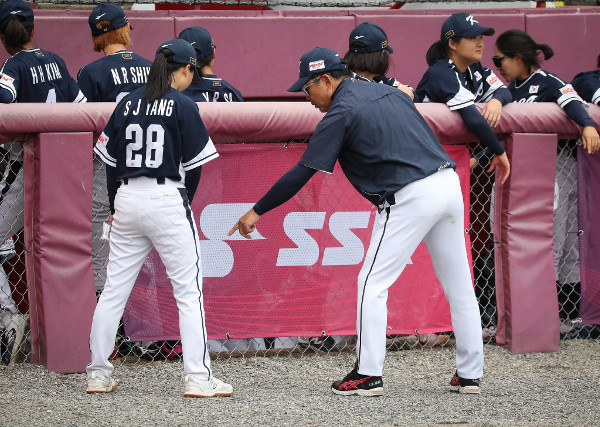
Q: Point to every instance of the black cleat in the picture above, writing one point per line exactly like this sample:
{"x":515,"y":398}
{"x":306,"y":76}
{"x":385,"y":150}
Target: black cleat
{"x":464,"y":385}
{"x":355,"y":384}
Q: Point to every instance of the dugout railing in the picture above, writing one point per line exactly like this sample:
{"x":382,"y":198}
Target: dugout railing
{"x":523,"y":305}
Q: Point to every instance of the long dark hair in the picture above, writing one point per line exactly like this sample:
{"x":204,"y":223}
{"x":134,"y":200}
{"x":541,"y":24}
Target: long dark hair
{"x":440,"y":49}
{"x":160,"y":76}
{"x":598,"y":61}
{"x":372,"y":62}
{"x":16,"y":35}
{"x":518,"y":43}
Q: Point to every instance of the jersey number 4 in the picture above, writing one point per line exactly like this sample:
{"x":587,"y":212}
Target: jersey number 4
{"x":152,"y":146}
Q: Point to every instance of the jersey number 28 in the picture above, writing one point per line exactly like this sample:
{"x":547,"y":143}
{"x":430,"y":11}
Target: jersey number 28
{"x":155,"y":139}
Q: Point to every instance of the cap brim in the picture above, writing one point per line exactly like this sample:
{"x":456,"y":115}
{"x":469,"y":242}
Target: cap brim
{"x":297,"y":87}
{"x":389,"y":49}
{"x":478,"y":31}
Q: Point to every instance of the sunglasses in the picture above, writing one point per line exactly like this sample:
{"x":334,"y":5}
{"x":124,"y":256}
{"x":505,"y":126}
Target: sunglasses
{"x":310,"y":82}
{"x":498,"y":60}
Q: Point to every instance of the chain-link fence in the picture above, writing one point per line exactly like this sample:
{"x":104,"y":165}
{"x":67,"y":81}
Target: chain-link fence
{"x":15,"y":339}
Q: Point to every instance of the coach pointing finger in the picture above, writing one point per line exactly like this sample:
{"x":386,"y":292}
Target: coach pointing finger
{"x":391,"y":156}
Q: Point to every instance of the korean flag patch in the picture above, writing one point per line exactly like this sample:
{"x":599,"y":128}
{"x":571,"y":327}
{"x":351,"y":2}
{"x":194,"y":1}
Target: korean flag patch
{"x":534,"y":89}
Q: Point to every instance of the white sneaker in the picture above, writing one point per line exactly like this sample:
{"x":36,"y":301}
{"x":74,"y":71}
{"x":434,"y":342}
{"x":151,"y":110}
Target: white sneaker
{"x":15,"y":333}
{"x":98,"y":383}
{"x":195,"y":387}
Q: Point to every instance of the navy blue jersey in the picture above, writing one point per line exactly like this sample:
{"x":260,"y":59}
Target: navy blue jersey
{"x":443,"y":82}
{"x":390,"y":81}
{"x":112,"y":77}
{"x":211,"y":88}
{"x":162,"y":139}
{"x":542,"y":86}
{"x":381,"y":156}
{"x":39,"y":76}
{"x":587,"y":86}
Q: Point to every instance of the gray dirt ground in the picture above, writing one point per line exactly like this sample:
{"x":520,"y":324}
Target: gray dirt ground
{"x":529,"y":389}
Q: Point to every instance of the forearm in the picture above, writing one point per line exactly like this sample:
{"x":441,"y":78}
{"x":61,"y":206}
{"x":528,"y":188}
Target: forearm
{"x":112,"y":185}
{"x":480,"y":128}
{"x":577,"y":113}
{"x":503,"y":95}
{"x":284,"y":189}
{"x":192,"y":180}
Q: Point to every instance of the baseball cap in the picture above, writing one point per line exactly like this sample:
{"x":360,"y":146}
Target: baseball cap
{"x":200,"y":40}
{"x":463,"y":25}
{"x":11,"y":8}
{"x":183,"y":52}
{"x":372,"y":35}
{"x":107,"y":12}
{"x":315,"y":62}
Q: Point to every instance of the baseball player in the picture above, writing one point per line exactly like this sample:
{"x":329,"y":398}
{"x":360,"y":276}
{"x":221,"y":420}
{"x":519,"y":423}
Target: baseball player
{"x":368,"y":56}
{"x":516,"y":58}
{"x":108,"y":79}
{"x":206,"y":86}
{"x":456,"y":77}
{"x":29,"y":75}
{"x":587,"y":85}
{"x":154,"y":145}
{"x":391,"y":156}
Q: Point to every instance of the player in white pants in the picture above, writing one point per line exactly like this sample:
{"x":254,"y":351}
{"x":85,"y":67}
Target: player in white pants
{"x":154,"y":144}
{"x":429,"y":210}
{"x":391,"y":156}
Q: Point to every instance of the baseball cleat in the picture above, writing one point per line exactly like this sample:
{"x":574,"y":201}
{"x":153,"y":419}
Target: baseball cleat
{"x":195,"y":387}
{"x":355,"y":384}
{"x":98,"y":383}
{"x":464,"y":385}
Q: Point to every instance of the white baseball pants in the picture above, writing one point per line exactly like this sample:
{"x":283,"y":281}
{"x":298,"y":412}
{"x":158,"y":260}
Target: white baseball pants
{"x":429,"y":210}
{"x":148,"y":214}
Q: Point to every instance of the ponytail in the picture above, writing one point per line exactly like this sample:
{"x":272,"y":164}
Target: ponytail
{"x":16,"y":35}
{"x":546,"y":50}
{"x":160,"y":76}
{"x":201,"y":63}
{"x":439,"y":50}
{"x":514,"y":43}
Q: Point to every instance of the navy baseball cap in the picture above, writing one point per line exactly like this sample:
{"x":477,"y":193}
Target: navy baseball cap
{"x":463,"y":25}
{"x":317,"y":61}
{"x":200,"y":40}
{"x":183,"y":52}
{"x":372,"y":35}
{"x":11,"y":8}
{"x":107,"y":12}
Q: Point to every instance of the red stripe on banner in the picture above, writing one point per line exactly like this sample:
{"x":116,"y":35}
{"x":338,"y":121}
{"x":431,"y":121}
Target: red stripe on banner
{"x":297,"y":276}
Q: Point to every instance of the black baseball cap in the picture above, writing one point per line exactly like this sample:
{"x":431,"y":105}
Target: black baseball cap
{"x":372,"y":35}
{"x":200,"y":40}
{"x":183,"y":52}
{"x":107,"y":12}
{"x":317,"y":61}
{"x":11,"y":8}
{"x":463,"y":25}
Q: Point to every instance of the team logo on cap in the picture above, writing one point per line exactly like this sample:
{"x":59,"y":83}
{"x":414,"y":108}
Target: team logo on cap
{"x":192,"y":61}
{"x":316,"y":65}
{"x":384,"y":44}
{"x":472,"y":20}
{"x":100,"y":16}
{"x":14,"y":12}
{"x":449,"y":34}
